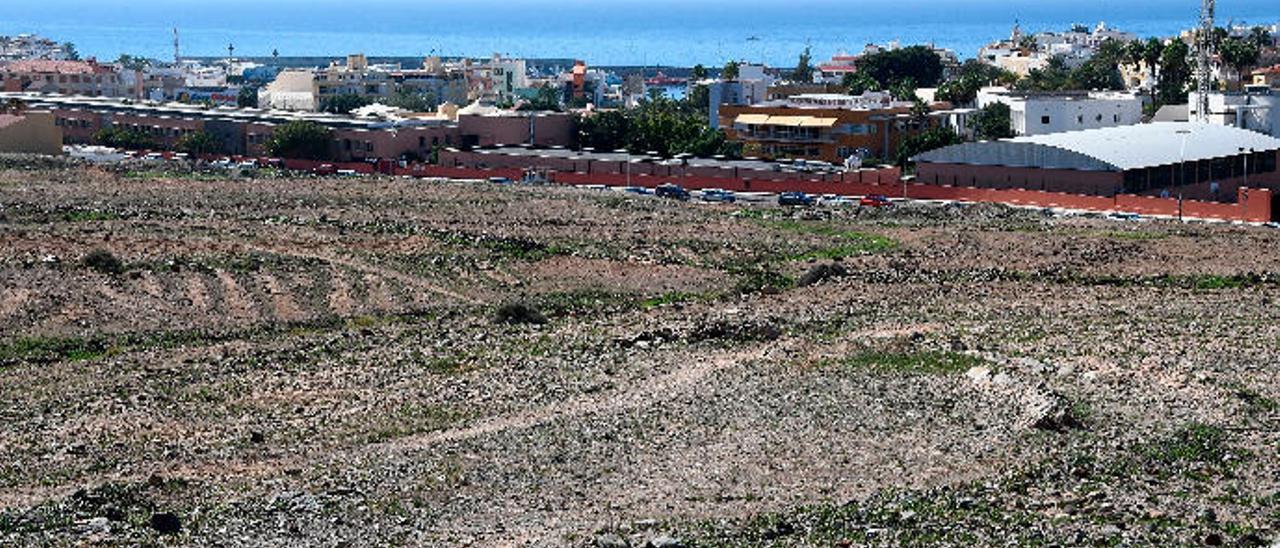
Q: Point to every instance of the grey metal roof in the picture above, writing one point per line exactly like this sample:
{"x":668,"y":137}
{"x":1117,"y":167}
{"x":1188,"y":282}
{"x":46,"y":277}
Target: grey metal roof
{"x":1109,"y":149}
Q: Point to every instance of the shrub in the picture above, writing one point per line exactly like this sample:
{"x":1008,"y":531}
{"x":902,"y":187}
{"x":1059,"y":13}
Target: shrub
{"x":103,"y":261}
{"x":822,"y":272}
{"x":519,"y":313}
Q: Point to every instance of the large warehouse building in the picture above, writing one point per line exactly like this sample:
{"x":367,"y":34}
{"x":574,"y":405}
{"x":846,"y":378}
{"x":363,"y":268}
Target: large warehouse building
{"x":1193,"y":160}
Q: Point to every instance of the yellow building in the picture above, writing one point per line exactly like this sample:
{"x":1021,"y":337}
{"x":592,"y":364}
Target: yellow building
{"x":30,"y":132}
{"x":1269,"y":77}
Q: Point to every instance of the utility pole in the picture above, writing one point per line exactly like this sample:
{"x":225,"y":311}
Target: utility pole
{"x":177,"y":52}
{"x":1204,"y":53}
{"x":231,"y":52}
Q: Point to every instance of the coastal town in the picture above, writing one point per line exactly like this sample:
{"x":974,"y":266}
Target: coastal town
{"x":917,"y":110}
{"x":1012,"y":291}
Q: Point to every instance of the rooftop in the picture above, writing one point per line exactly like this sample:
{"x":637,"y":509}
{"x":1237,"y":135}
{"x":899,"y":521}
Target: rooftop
{"x":42,"y":66}
{"x":1110,"y":149}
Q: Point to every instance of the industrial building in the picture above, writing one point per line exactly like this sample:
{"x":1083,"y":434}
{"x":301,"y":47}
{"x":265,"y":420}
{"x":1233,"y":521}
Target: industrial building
{"x":246,"y":131}
{"x":1192,"y":160}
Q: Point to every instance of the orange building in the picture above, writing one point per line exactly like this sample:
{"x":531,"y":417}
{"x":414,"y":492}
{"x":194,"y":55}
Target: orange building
{"x":826,"y":127}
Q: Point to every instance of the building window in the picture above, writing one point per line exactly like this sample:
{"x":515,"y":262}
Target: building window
{"x":1080,"y":119}
{"x":1098,"y":119}
{"x":1115,"y":118}
{"x":1044,"y":120}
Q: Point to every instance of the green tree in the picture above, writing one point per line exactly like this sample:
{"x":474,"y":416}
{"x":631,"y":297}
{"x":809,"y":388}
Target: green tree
{"x":904,"y":90}
{"x":547,"y":99}
{"x":699,"y":98}
{"x":343,"y":103}
{"x":660,"y":125}
{"x":804,"y":67}
{"x":1261,"y":37}
{"x":1096,"y":73}
{"x":699,"y":73}
{"x":198,"y":143}
{"x":1054,"y":77}
{"x":1175,"y":74}
{"x":247,"y":97}
{"x":730,"y":72}
{"x":129,"y":62}
{"x":414,"y":102}
{"x":857,"y":83}
{"x":974,"y":75}
{"x":70,"y":49}
{"x":120,"y":137}
{"x":930,"y":139}
{"x":605,"y":131}
{"x":918,"y":63}
{"x":1240,"y":54}
{"x":992,"y":122}
{"x":301,"y":139}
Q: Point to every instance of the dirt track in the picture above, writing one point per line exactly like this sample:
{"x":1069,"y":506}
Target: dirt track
{"x":315,"y":361}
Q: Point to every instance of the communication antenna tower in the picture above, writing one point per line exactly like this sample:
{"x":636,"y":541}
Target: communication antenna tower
{"x":1204,"y":55}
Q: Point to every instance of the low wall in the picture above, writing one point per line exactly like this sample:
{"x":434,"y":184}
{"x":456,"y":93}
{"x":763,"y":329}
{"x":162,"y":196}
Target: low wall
{"x":1253,"y":204}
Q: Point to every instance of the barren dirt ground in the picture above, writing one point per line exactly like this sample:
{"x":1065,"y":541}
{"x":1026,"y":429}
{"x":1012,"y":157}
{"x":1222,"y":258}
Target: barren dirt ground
{"x":193,"y":359}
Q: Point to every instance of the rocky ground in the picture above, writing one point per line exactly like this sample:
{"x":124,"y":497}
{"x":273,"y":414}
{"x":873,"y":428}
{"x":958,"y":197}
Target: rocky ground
{"x":193,"y":359}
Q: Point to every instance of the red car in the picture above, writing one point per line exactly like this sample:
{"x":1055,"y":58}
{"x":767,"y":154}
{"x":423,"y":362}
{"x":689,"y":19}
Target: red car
{"x":875,"y":200}
{"x":325,"y":169}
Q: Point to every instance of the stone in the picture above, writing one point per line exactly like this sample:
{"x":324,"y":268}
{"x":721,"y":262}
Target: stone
{"x":664,"y":541}
{"x":167,"y":523}
{"x":611,"y":540}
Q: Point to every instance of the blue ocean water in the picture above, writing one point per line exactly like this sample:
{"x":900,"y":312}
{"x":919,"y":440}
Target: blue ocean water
{"x":602,"y":32}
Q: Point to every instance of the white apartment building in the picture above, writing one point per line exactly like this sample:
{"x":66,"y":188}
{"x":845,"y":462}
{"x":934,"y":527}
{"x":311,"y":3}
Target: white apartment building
{"x":1257,"y":111}
{"x":507,"y":75}
{"x":1038,"y":113}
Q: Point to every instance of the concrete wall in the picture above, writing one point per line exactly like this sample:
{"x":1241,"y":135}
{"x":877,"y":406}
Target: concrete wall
{"x":549,"y":129}
{"x":30,"y":132}
{"x":1098,"y":183}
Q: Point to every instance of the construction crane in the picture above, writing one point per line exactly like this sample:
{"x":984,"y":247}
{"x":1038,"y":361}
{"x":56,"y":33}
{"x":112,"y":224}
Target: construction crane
{"x":1204,"y":59}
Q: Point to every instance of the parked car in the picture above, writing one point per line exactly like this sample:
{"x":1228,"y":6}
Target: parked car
{"x":325,"y":169}
{"x":719,"y":195}
{"x":222,"y":163}
{"x":671,"y":190}
{"x":833,"y":200}
{"x":795,"y":199}
{"x":500,"y":180}
{"x":637,"y":190}
{"x":875,"y":200}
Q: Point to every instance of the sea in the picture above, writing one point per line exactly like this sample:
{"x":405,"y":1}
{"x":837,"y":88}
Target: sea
{"x":600,"y":32}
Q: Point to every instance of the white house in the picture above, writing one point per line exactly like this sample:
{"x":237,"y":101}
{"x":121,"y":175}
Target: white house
{"x":1038,"y":113}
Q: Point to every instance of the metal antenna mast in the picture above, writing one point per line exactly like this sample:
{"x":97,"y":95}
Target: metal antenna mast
{"x":177,"y":53}
{"x":1204,"y":53}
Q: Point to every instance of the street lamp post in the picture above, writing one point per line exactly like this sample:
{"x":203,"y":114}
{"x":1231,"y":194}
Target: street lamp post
{"x":1182,"y":169}
{"x":1245,"y":153}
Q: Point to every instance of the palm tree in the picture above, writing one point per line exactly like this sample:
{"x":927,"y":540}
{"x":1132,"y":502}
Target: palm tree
{"x":1240,"y":55}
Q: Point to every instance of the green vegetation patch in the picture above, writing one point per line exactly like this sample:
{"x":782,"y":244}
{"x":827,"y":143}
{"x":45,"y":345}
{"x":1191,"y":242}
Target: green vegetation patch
{"x":1195,"y":450}
{"x":53,"y":349}
{"x":849,"y":243}
{"x":88,"y":215}
{"x":913,"y":363}
{"x":1007,"y":509}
